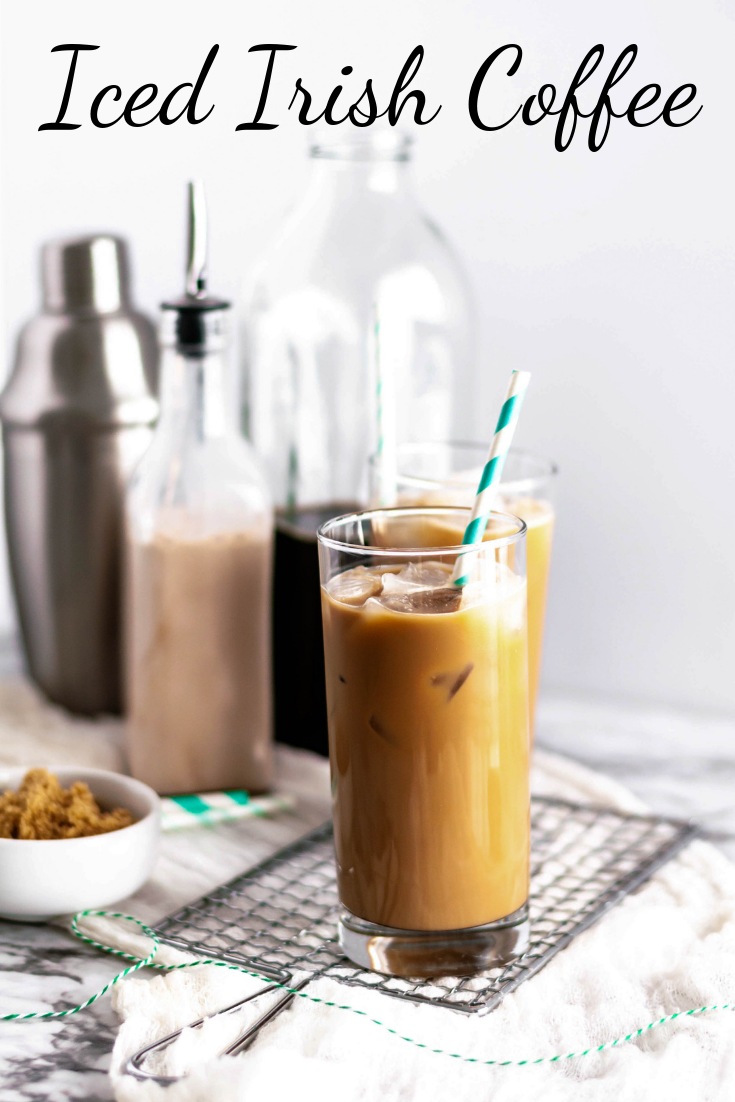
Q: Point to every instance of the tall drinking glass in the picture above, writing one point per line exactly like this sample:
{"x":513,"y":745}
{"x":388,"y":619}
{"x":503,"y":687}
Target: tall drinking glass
{"x":427,"y":697}
{"x":448,"y":474}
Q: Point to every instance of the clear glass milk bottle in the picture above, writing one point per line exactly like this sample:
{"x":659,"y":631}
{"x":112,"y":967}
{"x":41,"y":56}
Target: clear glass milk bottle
{"x":356,"y":337}
{"x":356,"y":255}
{"x":199,"y":552}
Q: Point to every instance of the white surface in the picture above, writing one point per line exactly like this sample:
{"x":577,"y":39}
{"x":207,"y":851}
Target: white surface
{"x":36,"y":733}
{"x":40,"y":879}
{"x":607,"y":274}
{"x":670,"y":946}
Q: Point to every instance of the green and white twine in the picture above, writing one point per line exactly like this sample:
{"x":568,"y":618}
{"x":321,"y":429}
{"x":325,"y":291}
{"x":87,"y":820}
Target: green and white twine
{"x":492,"y":473}
{"x":148,"y":962}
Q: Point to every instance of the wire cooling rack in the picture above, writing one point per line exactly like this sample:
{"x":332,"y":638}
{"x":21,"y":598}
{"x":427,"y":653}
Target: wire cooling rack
{"x":280,"y":918}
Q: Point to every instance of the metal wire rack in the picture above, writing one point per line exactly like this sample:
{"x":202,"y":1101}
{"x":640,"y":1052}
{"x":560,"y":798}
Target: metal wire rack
{"x":280,"y":918}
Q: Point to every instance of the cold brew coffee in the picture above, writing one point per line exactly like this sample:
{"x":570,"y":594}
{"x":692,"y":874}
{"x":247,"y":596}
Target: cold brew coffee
{"x":298,"y":645}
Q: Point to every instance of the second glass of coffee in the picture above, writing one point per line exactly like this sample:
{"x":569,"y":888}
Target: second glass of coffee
{"x":443,"y":473}
{"x":427,"y":694}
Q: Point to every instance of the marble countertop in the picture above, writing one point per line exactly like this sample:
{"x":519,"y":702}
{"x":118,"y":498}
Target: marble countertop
{"x":679,"y":764}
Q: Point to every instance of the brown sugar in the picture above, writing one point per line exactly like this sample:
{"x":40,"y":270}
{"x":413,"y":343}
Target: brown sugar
{"x":42,"y":809}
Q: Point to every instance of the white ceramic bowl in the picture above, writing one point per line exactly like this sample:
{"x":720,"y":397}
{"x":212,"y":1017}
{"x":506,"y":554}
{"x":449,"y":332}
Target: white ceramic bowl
{"x":39,"y":879}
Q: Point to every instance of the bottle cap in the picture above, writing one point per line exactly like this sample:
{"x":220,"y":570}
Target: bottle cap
{"x":86,"y":275}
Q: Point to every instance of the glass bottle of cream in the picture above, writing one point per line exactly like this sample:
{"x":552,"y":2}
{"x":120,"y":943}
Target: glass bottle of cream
{"x":198,"y":572}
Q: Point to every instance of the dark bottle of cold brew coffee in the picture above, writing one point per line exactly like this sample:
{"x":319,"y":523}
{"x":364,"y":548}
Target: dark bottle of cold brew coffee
{"x":298,"y":648}
{"x":355,"y":258}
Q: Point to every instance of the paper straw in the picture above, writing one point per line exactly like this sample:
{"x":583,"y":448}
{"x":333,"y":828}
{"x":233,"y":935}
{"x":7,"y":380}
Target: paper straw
{"x":180,"y":812}
{"x":387,"y":461}
{"x":492,"y":472}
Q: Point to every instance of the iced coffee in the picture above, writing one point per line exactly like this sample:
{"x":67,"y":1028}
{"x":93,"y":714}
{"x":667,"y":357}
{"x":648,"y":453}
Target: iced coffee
{"x":427,"y":693}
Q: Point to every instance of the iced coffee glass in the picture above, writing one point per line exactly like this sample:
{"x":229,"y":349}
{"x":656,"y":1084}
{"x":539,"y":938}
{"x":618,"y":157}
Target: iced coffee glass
{"x":427,"y":697}
{"x":448,"y":474}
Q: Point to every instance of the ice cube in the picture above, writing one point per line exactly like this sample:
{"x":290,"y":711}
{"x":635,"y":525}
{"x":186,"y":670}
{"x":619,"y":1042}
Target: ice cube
{"x":382,"y":730}
{"x":452,"y":680}
{"x":423,"y":600}
{"x":425,"y":575}
{"x":460,"y":679}
{"x":355,"y":586}
{"x":395,"y":583}
{"x":420,"y":587}
{"x":413,"y":576}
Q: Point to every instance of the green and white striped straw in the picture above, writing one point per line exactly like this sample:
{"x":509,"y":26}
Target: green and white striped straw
{"x":386,"y":458}
{"x":492,"y":473}
{"x":208,"y":808}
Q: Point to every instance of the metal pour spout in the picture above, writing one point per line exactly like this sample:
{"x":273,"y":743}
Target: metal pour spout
{"x":197,"y":245}
{"x":194,"y":323}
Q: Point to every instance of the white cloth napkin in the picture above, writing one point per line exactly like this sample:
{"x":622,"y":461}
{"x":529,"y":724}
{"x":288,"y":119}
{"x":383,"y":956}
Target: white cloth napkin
{"x":670,"y":946}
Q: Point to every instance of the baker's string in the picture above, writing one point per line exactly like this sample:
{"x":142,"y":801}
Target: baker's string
{"x":148,"y":962}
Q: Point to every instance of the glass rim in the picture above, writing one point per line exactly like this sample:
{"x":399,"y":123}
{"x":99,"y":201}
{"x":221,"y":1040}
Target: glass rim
{"x":408,"y":510}
{"x":548,"y":468}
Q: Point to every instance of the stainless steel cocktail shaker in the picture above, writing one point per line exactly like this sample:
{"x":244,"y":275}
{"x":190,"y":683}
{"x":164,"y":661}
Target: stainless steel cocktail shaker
{"x":77,"y":414}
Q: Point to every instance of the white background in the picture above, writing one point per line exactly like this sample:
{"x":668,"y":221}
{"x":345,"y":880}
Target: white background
{"x":609,"y":275}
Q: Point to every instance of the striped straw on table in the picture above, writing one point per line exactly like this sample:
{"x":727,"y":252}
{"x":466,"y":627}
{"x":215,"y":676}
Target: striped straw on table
{"x":181,"y":812}
{"x":492,"y":472}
